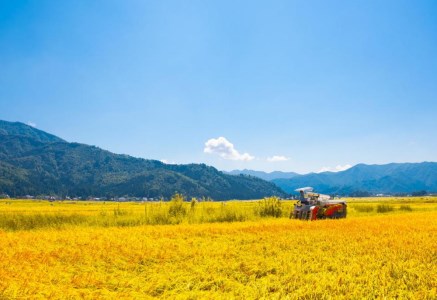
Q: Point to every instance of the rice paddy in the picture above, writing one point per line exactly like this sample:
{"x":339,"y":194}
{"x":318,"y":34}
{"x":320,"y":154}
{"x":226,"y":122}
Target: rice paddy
{"x":210,"y":250}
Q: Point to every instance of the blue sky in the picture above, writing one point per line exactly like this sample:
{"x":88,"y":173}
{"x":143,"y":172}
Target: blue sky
{"x":266,"y":85}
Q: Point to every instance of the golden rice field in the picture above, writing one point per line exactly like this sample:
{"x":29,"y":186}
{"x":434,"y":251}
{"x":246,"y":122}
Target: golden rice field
{"x":70,"y":250}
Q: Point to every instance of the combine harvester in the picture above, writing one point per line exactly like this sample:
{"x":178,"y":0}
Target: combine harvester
{"x":314,"y":206}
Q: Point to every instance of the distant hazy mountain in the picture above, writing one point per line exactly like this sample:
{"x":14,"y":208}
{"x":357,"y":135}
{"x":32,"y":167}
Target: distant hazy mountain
{"x":35,"y":162}
{"x":264,"y":175}
{"x":389,"y":178}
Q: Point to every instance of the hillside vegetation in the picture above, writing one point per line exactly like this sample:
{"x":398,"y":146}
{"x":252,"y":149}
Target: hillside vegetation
{"x":34,"y":162}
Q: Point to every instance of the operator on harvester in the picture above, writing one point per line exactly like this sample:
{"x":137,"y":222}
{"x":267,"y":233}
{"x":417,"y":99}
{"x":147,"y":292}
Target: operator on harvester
{"x":302,"y":198}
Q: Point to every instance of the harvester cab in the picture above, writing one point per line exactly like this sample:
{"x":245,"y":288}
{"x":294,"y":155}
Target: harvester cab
{"x":313,"y":206}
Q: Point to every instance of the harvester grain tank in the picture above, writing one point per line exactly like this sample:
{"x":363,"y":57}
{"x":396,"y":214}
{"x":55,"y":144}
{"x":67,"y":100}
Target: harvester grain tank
{"x":314,"y":206}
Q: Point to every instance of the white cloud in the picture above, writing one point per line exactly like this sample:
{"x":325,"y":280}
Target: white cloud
{"x":338,"y":168}
{"x":168,"y":162}
{"x":225,"y":149}
{"x":276,"y":158}
{"x":31,"y":124}
{"x":343,"y":168}
{"x":324,"y":169}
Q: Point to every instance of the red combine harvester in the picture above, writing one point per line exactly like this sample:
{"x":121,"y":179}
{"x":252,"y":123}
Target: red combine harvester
{"x":314,"y":206}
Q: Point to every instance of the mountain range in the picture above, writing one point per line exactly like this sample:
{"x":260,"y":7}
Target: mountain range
{"x":35,"y":162}
{"x":38,"y":163}
{"x":362,"y":179}
{"x":264,"y":175}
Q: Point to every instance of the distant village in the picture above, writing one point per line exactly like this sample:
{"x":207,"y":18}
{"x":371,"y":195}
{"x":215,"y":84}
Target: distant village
{"x":58,"y":198}
{"x":151,"y":199}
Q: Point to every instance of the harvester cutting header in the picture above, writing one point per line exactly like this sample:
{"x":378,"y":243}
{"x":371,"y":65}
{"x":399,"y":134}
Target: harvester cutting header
{"x":313,"y":206}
